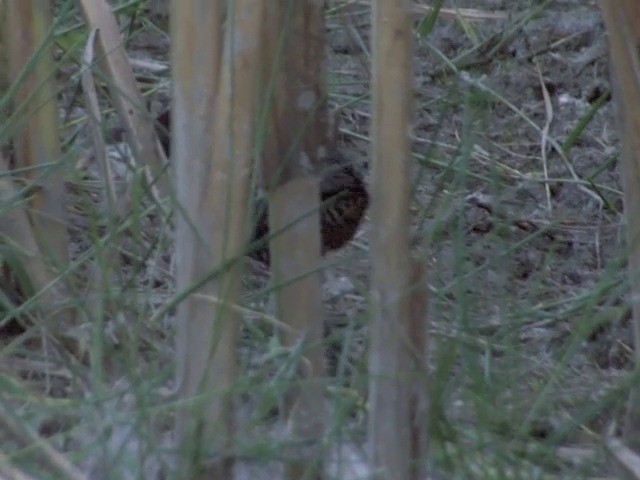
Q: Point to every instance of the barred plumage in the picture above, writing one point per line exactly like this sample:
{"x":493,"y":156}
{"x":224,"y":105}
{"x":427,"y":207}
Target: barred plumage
{"x":344,"y":200}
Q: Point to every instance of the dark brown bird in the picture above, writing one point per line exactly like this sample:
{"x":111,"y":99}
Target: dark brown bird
{"x":344,"y":200}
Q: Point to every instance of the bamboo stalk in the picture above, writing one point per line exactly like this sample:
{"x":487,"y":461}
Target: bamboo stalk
{"x":296,"y":144}
{"x":125,"y":94}
{"x":213,"y":179}
{"x":391,"y":360}
{"x":622,"y":20}
{"x":39,"y":233}
{"x":196,"y":27}
{"x":37,"y":143}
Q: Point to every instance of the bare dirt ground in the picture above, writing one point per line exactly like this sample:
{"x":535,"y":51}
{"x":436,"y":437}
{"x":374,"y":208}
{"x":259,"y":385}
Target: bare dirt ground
{"x":518,"y":204}
{"x":518,"y":213}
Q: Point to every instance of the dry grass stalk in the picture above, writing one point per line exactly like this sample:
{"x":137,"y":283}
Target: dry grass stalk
{"x":622,"y":20}
{"x":8,"y":471}
{"x":95,"y":121}
{"x":468,"y":14}
{"x":4,"y":60}
{"x":37,"y":143}
{"x":391,"y":360}
{"x":38,"y":234}
{"x":16,"y":230}
{"x":50,"y":458}
{"x":418,"y":401}
{"x":626,"y":461}
{"x":125,"y":94}
{"x":294,"y":47}
{"x":213,"y":186}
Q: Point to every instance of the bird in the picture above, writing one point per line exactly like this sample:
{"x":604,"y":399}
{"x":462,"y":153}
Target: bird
{"x":344,"y":200}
